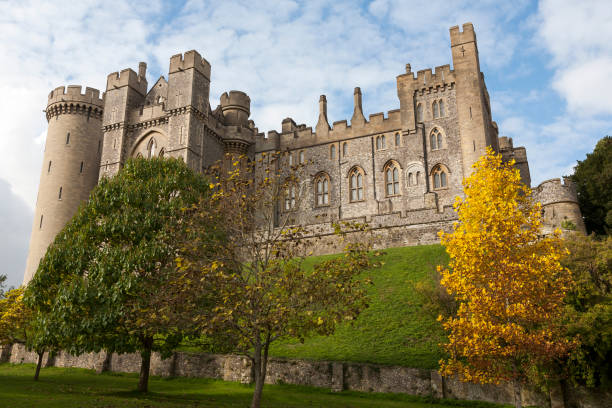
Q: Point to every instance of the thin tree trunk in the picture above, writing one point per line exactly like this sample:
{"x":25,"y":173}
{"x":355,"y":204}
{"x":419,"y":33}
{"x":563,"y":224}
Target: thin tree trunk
{"x":518,"y":400}
{"x":257,"y":365}
{"x":40,"y":359}
{"x":145,"y":365}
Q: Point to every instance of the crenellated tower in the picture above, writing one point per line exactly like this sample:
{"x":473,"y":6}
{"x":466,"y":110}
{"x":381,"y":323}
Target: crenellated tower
{"x":70,"y":165}
{"x":236,"y":109}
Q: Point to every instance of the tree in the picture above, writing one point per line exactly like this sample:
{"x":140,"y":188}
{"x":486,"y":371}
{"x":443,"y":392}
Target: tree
{"x":265,"y":291}
{"x":109,"y":280}
{"x":507,"y":279}
{"x":589,"y":310}
{"x":2,"y":281}
{"x":593,"y":179}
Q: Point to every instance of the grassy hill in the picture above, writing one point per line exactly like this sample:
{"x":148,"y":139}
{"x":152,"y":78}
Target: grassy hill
{"x":394,"y":329}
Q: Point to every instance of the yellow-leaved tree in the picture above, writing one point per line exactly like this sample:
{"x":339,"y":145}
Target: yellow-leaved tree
{"x":507,"y":279}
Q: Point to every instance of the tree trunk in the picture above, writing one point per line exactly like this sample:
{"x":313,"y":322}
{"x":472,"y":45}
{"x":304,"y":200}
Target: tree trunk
{"x":145,"y":365}
{"x":260,"y":366}
{"x":518,"y":400}
{"x":40,"y":359}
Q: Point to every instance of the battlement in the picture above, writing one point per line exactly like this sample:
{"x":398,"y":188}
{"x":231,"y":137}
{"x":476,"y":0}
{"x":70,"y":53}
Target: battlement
{"x":462,"y":37}
{"x":554,"y":191}
{"x":426,"y":78}
{"x":505,"y":143}
{"x":191,"y":59}
{"x":127,"y":77}
{"x":236,"y":108}
{"x":73,"y":94}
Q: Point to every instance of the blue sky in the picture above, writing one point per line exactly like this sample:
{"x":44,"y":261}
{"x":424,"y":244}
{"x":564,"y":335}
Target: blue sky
{"x":547,"y":66}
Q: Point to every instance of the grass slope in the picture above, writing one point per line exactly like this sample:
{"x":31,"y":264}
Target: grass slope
{"x":394,"y":330}
{"x":74,"y":387}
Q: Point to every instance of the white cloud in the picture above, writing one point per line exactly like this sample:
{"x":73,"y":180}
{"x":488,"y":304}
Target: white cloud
{"x":578,"y":36}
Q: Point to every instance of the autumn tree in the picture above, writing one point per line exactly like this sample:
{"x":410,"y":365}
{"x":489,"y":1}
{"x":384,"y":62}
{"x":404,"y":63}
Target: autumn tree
{"x":265,"y":291}
{"x":507,"y":279}
{"x":110,"y":281}
{"x":593,"y":179}
{"x":589,"y":310}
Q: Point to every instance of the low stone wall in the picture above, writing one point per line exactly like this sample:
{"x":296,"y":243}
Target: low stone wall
{"x":335,"y":375}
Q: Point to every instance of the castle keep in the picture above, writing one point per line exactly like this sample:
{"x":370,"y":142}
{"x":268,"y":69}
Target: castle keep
{"x":399,"y":171}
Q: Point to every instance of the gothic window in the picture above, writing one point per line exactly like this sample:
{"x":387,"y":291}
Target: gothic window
{"x":301,"y":157}
{"x":435,"y":139}
{"x":162,"y":152}
{"x":441,"y":104}
{"x":290,"y":197}
{"x":440,"y":177}
{"x":332,"y":152}
{"x":382,"y":138}
{"x":322,"y":190}
{"x":356,"y":184}
{"x":436,"y":113}
{"x":139,"y":156}
{"x":59,"y":196}
{"x":344,"y":149}
{"x":419,"y":112}
{"x":397,"y":139}
{"x":68,"y":138}
{"x":81,"y":170}
{"x":391,"y":179}
{"x":151,"y":148}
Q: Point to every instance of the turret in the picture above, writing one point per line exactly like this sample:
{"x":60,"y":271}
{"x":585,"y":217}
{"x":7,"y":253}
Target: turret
{"x":559,"y":205}
{"x":70,"y":165}
{"x":236,"y":109}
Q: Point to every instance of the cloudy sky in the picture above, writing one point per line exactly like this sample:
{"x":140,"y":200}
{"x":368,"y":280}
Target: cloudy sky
{"x":547,"y":65}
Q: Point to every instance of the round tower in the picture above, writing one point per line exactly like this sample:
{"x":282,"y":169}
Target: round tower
{"x":236,"y":109}
{"x":70,"y":165}
{"x":559,"y":205}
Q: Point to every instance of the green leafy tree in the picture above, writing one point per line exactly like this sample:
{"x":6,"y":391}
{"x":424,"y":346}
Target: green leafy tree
{"x":110,"y":281}
{"x":589,"y":311}
{"x":593,"y":179}
{"x":265,"y":291}
{"x":2,"y":283}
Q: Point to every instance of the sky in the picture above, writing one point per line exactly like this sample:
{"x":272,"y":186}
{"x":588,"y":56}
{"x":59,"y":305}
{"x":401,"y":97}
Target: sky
{"x":547,"y":66}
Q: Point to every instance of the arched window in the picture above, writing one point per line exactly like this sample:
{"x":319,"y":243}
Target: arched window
{"x":378,"y":143}
{"x":151,"y":148}
{"x":344,"y":149}
{"x":418,"y":177}
{"x":291,"y":159}
{"x":139,"y":156}
{"x":356,"y":184}
{"x":290,"y":197}
{"x":382,"y":139}
{"x":301,"y":156}
{"x":332,"y":152}
{"x":441,"y":103}
{"x":397,"y":139}
{"x":419,"y":113}
{"x":410,"y":180}
{"x":435,"y":139}
{"x":440,"y":177}
{"x":392,"y":179}
{"x":162,"y":152}
{"x":436,"y":112}
{"x":322,"y":190}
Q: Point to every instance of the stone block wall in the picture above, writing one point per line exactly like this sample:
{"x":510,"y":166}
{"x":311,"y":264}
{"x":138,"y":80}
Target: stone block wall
{"x":337,"y":376}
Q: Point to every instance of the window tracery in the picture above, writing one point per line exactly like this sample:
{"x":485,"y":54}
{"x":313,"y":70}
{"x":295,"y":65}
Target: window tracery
{"x":356,"y":184}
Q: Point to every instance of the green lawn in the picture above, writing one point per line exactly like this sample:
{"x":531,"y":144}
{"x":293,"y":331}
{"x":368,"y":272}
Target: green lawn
{"x":74,"y":387}
{"x":394,"y":329}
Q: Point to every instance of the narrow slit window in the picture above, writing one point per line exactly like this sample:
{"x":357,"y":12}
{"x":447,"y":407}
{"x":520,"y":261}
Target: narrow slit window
{"x":59,"y":196}
{"x":81,"y":169}
{"x":49,"y":167}
{"x":435,"y":110}
{"x":68,"y":138}
{"x":344,"y":149}
{"x":397,"y":139}
{"x":41,"y":220}
{"x":332,"y":152}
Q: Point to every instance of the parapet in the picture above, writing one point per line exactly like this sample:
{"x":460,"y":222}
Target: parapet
{"x":505,"y":142}
{"x":462,"y":37}
{"x":191,"y":59}
{"x":127,"y":77}
{"x":554,"y":191}
{"x":73,"y":94}
{"x":236,"y":108}
{"x":425,"y":78}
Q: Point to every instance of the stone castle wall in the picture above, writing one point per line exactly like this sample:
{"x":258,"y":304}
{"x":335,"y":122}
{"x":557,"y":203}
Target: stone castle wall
{"x":335,"y":375}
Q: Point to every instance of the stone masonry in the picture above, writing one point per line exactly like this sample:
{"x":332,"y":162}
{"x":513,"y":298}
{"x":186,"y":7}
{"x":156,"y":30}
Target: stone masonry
{"x":399,"y":171}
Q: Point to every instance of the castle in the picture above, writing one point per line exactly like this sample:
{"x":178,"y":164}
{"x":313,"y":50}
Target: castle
{"x":400,"y":172}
